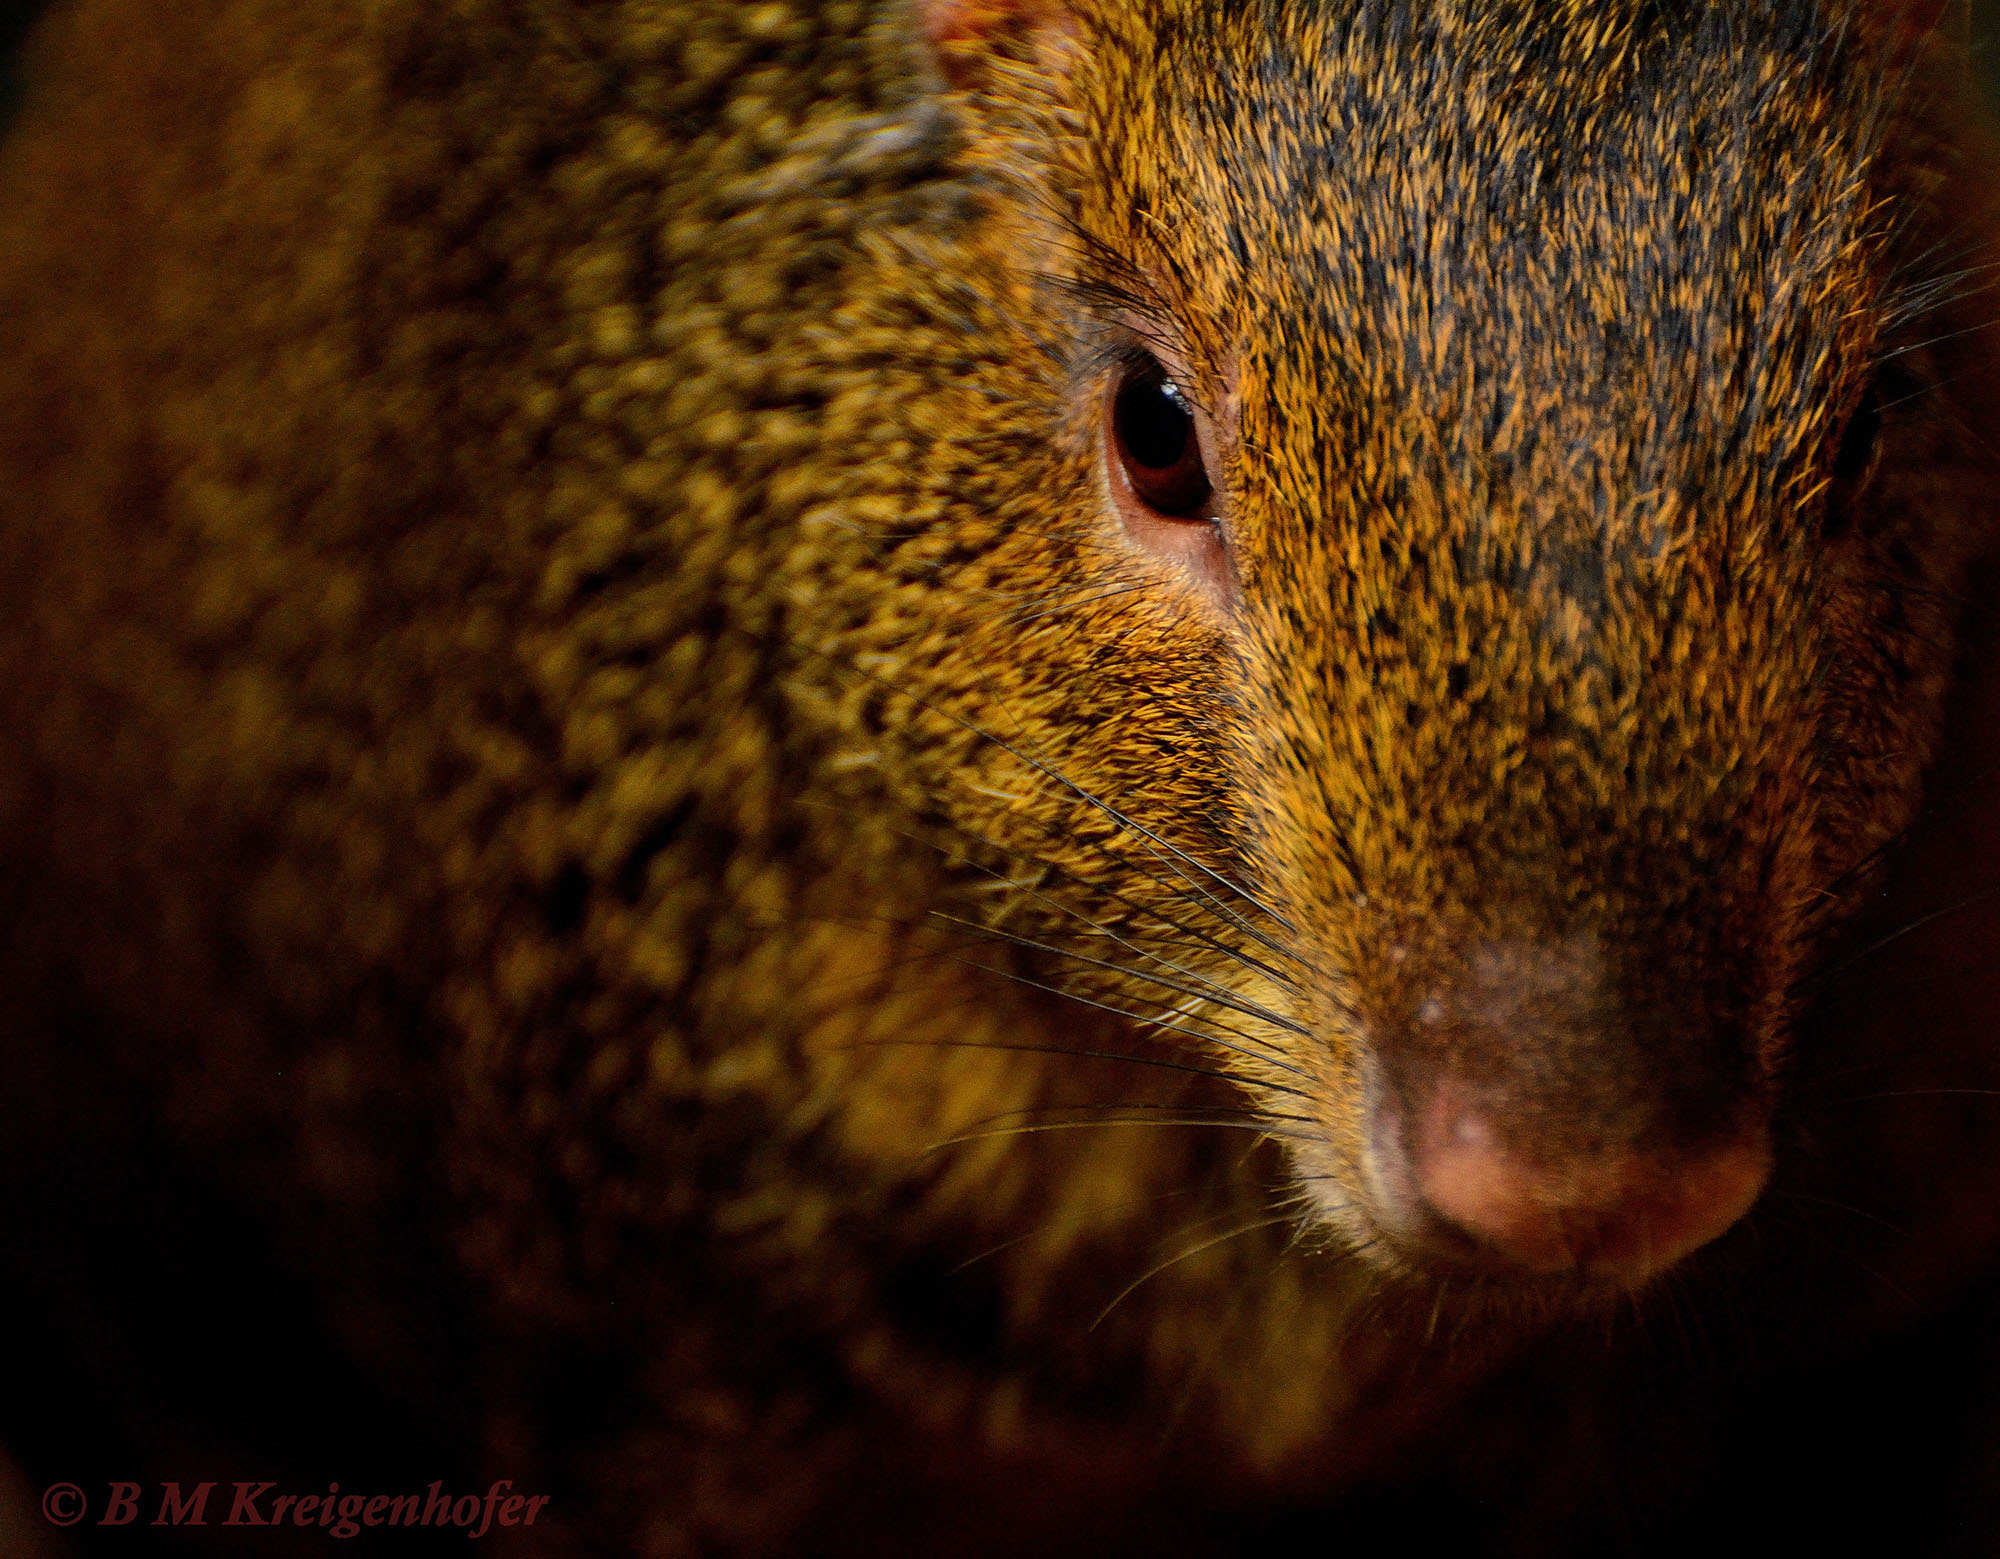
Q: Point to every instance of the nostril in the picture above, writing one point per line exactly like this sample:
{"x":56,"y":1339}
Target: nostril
{"x":1624,"y":1215}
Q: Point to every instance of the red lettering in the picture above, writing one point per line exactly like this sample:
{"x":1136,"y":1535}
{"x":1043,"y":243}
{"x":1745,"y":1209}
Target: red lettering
{"x":244,"y":1512}
{"x":349,"y":1509}
{"x":122,"y":1507}
{"x":304,"y":1511}
{"x":493,"y":1496}
{"x":175,"y":1511}
{"x":535,"y":1508}
{"x":371,"y":1516}
{"x":510,"y":1509}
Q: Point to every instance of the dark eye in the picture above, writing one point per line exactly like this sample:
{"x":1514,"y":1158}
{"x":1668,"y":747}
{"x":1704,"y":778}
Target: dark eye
{"x":1854,"y":459}
{"x":1153,"y":439}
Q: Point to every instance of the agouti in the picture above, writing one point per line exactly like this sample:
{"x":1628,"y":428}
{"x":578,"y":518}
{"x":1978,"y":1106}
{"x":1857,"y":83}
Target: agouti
{"x":965,"y":775}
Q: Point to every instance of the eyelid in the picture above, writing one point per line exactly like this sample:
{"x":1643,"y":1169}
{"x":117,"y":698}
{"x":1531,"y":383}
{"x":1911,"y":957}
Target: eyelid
{"x":1197,"y":544}
{"x":1214,"y":422}
{"x":1179,"y":372}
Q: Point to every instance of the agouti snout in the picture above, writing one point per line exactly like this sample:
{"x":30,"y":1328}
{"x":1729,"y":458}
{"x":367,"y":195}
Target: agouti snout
{"x":1523,"y":1124}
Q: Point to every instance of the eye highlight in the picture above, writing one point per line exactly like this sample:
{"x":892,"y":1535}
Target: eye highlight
{"x":1152,"y":437}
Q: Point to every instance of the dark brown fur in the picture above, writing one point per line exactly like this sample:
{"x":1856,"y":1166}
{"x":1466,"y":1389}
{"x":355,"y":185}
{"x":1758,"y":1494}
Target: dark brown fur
{"x":564,"y":641}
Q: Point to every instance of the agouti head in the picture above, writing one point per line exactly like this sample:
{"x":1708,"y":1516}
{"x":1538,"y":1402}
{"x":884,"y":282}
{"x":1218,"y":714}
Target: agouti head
{"x":1451,"y":515}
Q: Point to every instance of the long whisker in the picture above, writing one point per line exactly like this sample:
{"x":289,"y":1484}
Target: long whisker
{"x":1147,"y":1276}
{"x":1153,"y":912}
{"x":1848,"y":1207}
{"x":1136,"y":1017}
{"x":1220,"y":1112}
{"x":1941,"y":338}
{"x":1912,"y":1093}
{"x":979,"y":934}
{"x":1147,"y":1021}
{"x":1185,"y":887}
{"x":1814,"y":1228}
{"x":1214,"y":994}
{"x":1965,"y":797}
{"x":1032,"y":1127}
{"x":1825,"y":977}
{"x":1205,"y":938}
{"x":1161,"y":848}
{"x":1069,"y":1050}
{"x":1127,"y":1205}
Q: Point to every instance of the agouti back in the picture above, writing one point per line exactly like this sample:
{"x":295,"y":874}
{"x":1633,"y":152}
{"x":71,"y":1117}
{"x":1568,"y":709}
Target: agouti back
{"x":1002,"y":772}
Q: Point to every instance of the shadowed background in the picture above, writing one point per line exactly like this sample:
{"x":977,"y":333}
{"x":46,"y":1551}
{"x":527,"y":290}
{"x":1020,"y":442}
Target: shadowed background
{"x":16,"y":16}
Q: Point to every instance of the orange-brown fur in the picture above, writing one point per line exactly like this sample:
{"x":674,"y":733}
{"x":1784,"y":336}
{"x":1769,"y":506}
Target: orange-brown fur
{"x":564,"y":641}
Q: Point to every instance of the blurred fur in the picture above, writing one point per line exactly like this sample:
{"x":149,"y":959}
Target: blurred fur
{"x":581,"y":724}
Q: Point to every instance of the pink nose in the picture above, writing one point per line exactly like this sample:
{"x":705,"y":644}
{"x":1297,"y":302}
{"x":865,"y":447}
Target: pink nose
{"x":1622,"y":1215}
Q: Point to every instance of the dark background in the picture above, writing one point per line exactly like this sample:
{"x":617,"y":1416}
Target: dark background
{"x":15,"y":15}
{"x":20,"y":1532}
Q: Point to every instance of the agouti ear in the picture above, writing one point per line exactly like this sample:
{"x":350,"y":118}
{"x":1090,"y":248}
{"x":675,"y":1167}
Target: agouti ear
{"x":977,"y":43}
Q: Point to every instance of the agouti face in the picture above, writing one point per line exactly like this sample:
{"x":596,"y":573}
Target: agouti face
{"x":1510,"y":599}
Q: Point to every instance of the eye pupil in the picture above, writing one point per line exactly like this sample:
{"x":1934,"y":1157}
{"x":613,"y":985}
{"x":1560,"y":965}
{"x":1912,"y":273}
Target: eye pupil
{"x":1856,"y":455}
{"x":1153,"y":422}
{"x":1153,"y":432}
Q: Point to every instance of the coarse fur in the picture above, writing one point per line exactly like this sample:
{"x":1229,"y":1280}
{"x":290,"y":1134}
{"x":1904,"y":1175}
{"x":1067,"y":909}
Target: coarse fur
{"x":587,"y":738}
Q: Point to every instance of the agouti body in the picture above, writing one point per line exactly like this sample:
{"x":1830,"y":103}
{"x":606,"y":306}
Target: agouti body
{"x":921,"y":775}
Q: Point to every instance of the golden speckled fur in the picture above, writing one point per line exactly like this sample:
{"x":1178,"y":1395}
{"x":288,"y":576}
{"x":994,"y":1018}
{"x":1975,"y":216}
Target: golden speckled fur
{"x":583,"y":734}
